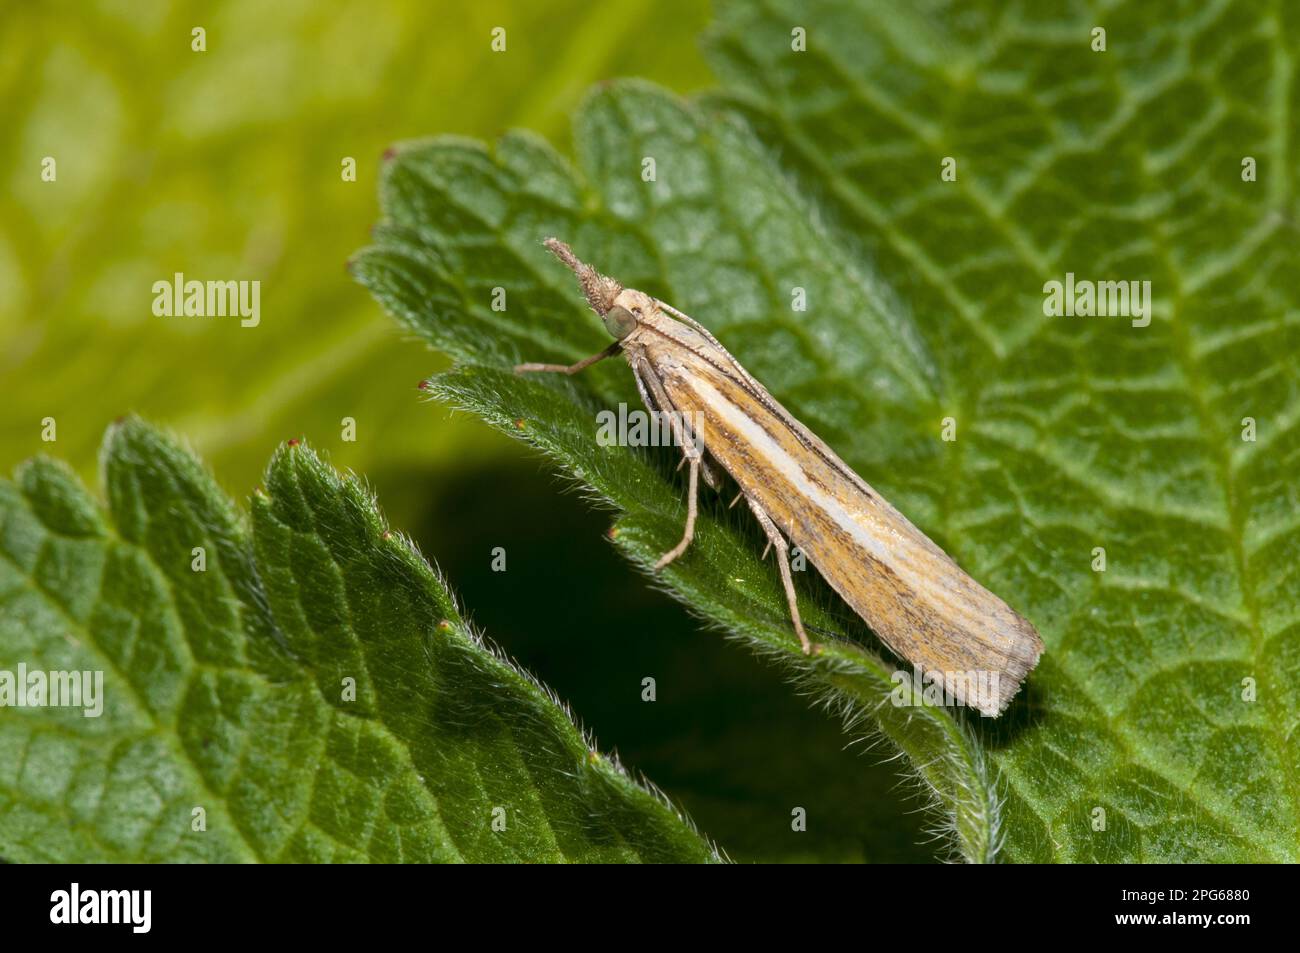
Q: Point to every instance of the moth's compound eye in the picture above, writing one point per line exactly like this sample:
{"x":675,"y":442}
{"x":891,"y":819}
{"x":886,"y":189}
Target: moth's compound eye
{"x":619,"y":322}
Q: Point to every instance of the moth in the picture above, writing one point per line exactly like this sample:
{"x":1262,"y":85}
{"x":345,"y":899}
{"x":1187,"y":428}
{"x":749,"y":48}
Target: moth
{"x":908,"y":590}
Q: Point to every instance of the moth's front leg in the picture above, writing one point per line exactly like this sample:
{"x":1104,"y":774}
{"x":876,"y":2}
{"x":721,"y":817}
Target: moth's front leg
{"x":615,"y":348}
{"x":776,"y":541}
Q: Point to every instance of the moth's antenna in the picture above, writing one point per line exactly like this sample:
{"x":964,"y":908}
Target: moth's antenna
{"x":599,"y":289}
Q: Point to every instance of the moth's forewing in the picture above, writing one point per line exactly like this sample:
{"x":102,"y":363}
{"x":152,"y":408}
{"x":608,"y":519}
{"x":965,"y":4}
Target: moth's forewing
{"x":920,"y":602}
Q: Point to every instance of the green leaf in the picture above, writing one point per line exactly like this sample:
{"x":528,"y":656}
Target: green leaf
{"x":226,"y":689}
{"x":1081,"y":433}
{"x":821,"y":170}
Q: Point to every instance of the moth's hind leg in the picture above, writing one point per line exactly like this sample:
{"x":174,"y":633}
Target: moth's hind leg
{"x":776,"y":541}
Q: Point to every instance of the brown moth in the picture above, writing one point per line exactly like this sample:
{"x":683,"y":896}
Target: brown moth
{"x":920,"y":602}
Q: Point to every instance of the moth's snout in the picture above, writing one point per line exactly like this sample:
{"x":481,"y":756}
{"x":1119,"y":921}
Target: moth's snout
{"x":601,"y":290}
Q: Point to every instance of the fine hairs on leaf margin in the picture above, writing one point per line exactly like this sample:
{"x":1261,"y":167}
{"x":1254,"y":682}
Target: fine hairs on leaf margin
{"x":402,"y":546}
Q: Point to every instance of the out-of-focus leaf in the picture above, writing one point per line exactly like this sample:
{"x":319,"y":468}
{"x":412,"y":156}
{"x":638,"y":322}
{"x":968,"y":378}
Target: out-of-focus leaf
{"x":227,"y":165}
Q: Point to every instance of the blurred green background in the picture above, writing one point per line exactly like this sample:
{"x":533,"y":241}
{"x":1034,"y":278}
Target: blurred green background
{"x":226,"y":164}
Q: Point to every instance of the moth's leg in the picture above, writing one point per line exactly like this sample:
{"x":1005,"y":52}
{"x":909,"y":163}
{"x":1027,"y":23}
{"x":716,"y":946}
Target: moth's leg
{"x":711,"y":472}
{"x":776,"y":541}
{"x":692,"y":501}
{"x":691,"y":442}
{"x":646,"y":397}
{"x":653,"y":393}
{"x":610,"y":351}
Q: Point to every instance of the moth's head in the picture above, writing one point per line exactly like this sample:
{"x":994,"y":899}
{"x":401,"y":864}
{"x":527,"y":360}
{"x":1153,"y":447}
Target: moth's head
{"x":630,"y":308}
{"x":620,"y":308}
